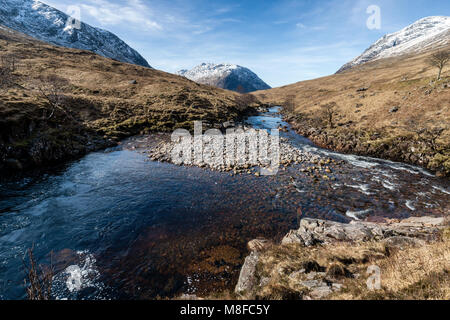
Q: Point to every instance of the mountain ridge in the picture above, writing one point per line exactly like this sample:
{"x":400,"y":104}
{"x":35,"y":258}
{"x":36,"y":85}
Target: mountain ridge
{"x":45,"y":23}
{"x":226,"y":76}
{"x":424,"y":34}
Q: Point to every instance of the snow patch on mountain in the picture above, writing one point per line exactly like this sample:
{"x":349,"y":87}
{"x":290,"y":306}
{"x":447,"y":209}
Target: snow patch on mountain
{"x":48,"y":24}
{"x":226,"y":76}
{"x":422,"y":35}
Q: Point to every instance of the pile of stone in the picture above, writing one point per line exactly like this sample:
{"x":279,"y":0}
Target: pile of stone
{"x":218,"y":155}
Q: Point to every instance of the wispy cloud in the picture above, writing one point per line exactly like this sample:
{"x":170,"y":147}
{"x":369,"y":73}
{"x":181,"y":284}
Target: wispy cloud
{"x":130,"y":12}
{"x":283,"y":41}
{"x":107,"y":13}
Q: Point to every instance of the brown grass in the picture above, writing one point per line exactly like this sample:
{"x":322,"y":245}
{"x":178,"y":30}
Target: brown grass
{"x":412,"y":273}
{"x":39,"y":279}
{"x":103,"y":99}
{"x":364,"y":123}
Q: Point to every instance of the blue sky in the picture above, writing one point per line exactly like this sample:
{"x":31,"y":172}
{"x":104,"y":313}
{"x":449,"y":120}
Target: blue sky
{"x":282,"y":41}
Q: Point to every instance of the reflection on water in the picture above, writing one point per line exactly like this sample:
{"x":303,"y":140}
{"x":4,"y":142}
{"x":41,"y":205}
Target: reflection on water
{"x":121,"y":226}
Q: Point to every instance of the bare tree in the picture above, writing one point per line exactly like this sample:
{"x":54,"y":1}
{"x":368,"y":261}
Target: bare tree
{"x":328,"y":113}
{"x":439,"y":60}
{"x":51,"y":89}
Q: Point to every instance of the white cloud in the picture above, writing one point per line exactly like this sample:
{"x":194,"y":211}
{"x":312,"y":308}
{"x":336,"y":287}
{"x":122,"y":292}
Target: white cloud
{"x":130,"y":12}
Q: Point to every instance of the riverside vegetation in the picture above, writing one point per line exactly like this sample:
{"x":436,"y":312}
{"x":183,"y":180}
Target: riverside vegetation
{"x":331,"y":260}
{"x":392,"y":108}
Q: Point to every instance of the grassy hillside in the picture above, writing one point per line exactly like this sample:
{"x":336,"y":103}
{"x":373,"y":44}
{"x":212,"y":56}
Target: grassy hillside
{"x":59,"y":103}
{"x":391,"y":108}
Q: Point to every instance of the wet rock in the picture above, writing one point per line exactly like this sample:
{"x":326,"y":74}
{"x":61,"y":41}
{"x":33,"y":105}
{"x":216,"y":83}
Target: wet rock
{"x":362,"y":89}
{"x":132,"y":82}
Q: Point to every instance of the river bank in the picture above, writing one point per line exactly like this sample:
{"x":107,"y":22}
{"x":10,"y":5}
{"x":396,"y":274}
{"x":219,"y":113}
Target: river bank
{"x":390,"y":259}
{"x":407,"y":149}
{"x":148,"y":229}
{"x":60,"y":104}
{"x":395,"y":259}
{"x":392,"y":109}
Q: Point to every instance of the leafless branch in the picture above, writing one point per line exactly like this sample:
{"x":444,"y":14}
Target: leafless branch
{"x":38,"y":282}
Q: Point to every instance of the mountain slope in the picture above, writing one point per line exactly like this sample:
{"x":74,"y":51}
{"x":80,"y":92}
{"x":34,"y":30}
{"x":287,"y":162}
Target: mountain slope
{"x":103,"y":101}
{"x":389,"y":108}
{"x":48,"y":24}
{"x":226,"y":76}
{"x":426,"y":33}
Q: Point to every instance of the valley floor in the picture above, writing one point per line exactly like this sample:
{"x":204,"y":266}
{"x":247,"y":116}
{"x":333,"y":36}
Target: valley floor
{"x":391,"y":109}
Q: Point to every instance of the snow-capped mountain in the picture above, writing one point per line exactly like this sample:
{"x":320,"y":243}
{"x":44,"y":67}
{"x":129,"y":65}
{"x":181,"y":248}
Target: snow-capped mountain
{"x":424,"y":34}
{"x":226,"y":76}
{"x":48,"y":24}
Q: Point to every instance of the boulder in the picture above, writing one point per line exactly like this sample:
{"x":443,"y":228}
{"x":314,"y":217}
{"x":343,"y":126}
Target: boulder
{"x":247,"y":277}
{"x":316,"y":231}
{"x":403,"y":242}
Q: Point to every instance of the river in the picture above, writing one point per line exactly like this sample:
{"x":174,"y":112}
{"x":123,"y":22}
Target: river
{"x":114,"y":225}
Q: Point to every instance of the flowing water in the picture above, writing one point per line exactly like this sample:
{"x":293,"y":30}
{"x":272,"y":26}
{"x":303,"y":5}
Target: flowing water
{"x":115,"y":225}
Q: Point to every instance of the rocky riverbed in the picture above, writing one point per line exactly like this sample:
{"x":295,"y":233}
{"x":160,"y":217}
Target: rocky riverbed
{"x":218,"y":155}
{"x":184,"y":229}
